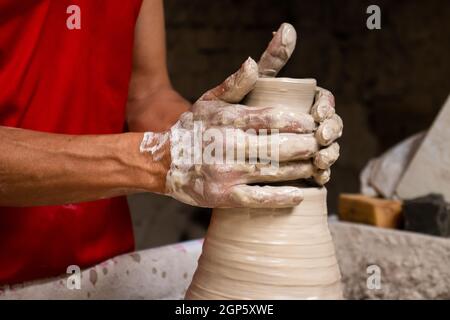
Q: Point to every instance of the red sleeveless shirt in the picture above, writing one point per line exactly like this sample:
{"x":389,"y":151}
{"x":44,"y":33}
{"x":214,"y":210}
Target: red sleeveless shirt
{"x":55,"y":78}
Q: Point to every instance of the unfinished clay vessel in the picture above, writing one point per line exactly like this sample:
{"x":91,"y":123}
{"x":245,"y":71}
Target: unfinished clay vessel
{"x":271,"y":253}
{"x":285,"y":94}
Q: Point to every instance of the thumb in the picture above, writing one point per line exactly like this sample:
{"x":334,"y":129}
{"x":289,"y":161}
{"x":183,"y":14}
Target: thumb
{"x":236,"y":86}
{"x":278,"y":51}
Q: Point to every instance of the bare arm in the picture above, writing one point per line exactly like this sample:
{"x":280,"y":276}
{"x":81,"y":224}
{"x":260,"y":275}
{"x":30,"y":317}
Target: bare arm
{"x":152,"y":103}
{"x":45,"y":169}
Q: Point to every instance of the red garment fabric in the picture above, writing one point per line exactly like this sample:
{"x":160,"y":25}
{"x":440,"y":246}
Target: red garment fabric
{"x":72,"y":81}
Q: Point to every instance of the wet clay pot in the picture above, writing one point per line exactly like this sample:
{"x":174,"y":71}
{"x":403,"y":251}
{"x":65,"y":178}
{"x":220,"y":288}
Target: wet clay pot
{"x":271,"y":253}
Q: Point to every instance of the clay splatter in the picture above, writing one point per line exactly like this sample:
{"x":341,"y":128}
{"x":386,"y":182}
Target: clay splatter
{"x":93,"y":277}
{"x":154,"y":270}
{"x":136,"y":257}
{"x":185,"y":275}
{"x":105,"y":271}
{"x":163,"y":274}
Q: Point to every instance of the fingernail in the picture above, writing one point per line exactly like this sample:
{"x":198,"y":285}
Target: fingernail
{"x":288,"y":35}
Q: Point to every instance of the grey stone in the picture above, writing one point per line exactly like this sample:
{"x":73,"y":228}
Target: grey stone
{"x":413,"y":266}
{"x":429,"y":214}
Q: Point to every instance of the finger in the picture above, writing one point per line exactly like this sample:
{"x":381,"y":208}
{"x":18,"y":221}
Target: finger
{"x":239,"y":146}
{"x":326,"y":157}
{"x":244,"y":196}
{"x":322,"y":176}
{"x":329,"y":130}
{"x":323,"y":107}
{"x":268,"y":173}
{"x":286,"y":172}
{"x":278,"y":52}
{"x":236,"y":86}
{"x":244,"y":117}
{"x":282,"y":147}
{"x":290,"y":146}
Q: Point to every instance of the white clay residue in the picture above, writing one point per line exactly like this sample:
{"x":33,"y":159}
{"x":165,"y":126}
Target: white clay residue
{"x":180,"y":173}
{"x":153,"y":143}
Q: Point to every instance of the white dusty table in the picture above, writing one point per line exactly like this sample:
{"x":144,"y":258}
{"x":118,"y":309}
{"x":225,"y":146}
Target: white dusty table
{"x":160,"y":273}
{"x":413,"y":266}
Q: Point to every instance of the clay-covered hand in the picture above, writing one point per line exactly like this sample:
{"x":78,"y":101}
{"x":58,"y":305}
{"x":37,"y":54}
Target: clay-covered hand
{"x":295,"y":140}
{"x":329,"y":125}
{"x":224,"y":170}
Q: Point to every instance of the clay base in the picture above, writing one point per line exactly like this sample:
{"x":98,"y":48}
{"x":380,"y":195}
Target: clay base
{"x":269,"y":254}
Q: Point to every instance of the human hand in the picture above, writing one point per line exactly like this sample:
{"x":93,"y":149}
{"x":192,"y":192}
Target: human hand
{"x":217,"y":183}
{"x":329,"y":125}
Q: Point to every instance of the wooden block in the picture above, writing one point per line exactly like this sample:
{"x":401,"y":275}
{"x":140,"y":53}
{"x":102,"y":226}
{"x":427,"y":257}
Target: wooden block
{"x":429,"y":170}
{"x":368,"y":210}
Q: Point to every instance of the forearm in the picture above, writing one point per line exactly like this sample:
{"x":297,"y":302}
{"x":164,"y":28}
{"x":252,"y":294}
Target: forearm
{"x":155,"y":110}
{"x":45,"y":169}
{"x":153,"y":105}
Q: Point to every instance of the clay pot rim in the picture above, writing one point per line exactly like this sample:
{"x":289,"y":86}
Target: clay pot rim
{"x":306,"y":81}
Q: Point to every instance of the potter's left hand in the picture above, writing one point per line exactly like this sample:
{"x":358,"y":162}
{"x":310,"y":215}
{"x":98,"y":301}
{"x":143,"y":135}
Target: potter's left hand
{"x":329,"y":124}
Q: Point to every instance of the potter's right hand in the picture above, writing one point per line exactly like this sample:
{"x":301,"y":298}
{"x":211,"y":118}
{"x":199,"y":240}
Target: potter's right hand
{"x":205,"y":178}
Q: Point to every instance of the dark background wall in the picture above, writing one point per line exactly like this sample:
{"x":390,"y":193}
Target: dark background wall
{"x":388,"y":83}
